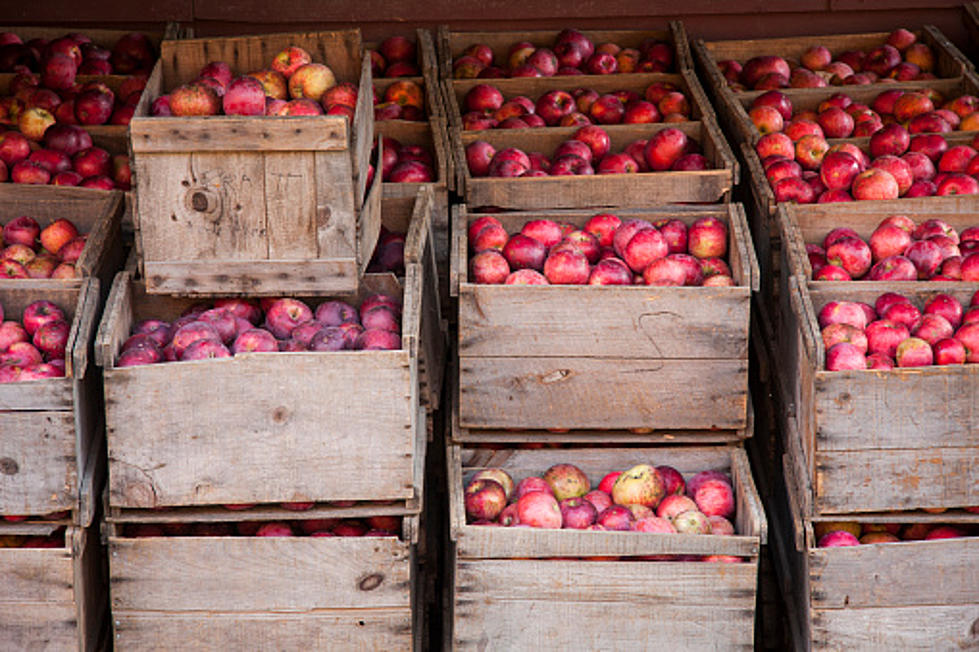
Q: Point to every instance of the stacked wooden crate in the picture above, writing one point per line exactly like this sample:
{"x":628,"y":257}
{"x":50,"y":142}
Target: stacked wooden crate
{"x":601,"y":378}
{"x":52,"y":458}
{"x":952,"y":78}
{"x":203,"y":454}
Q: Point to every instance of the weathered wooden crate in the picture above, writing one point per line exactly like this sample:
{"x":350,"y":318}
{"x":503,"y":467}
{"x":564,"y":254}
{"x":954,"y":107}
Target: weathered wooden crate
{"x":534,"y":87}
{"x":452,"y":43}
{"x":702,"y":186}
{"x":972,"y":21}
{"x":878,"y":440}
{"x":53,"y":598}
{"x":600,"y":357}
{"x":517,"y":588}
{"x":950,"y":63}
{"x":918,"y":595}
{"x":52,"y":429}
{"x":809,"y":99}
{"x":220,"y":593}
{"x":96,"y":215}
{"x":274,"y":427}
{"x":254,"y":205}
{"x":801,"y":225}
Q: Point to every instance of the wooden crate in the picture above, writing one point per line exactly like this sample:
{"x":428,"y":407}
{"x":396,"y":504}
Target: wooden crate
{"x":451,"y":44}
{"x":702,"y":186}
{"x":950,"y":63}
{"x":274,"y":427}
{"x":220,"y":593}
{"x":52,"y":438}
{"x":96,"y":215}
{"x":972,"y":21}
{"x":873,"y":596}
{"x":809,"y":99}
{"x":254,"y":205}
{"x":53,"y":598}
{"x":801,"y":225}
{"x":529,"y":356}
{"x":517,"y":588}
{"x":878,"y":440}
{"x":535,"y":87}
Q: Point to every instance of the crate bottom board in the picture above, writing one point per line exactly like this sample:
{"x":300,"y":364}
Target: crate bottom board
{"x":39,"y":625}
{"x":540,"y":393}
{"x":929,"y":627}
{"x":523,"y":604}
{"x":339,"y":629}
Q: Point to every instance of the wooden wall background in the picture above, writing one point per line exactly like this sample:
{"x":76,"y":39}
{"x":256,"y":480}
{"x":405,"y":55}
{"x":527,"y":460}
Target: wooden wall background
{"x":711,"y":19}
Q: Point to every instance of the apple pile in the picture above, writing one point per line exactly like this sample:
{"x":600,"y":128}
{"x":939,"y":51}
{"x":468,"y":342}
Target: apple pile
{"x":395,"y":57}
{"x":606,"y":251}
{"x":486,"y":107}
{"x":894,"y":332}
{"x":831,"y":534}
{"x":54,"y":540}
{"x":402,"y":100}
{"x":132,"y":54}
{"x":640,"y":499}
{"x":37,"y":102}
{"x":901,"y":58}
{"x":65,"y":157}
{"x":231,"y":326}
{"x":312,"y":87}
{"x":589,"y":152}
{"x":33,"y":348}
{"x":32,"y":252}
{"x":811,"y":170}
{"x":371,"y":526}
{"x":572,"y":53}
{"x":389,"y":254}
{"x":406,"y":163}
{"x":839,"y":116}
{"x":898,"y":250}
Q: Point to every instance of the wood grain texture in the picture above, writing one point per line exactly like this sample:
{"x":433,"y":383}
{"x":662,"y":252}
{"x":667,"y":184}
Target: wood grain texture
{"x":601,"y":322}
{"x":290,"y":206}
{"x":525,"y":392}
{"x":39,"y":466}
{"x":188,"y":574}
{"x":254,"y":278}
{"x":224,"y":133}
{"x":878,"y":480}
{"x":840,"y":578}
{"x":927,"y":627}
{"x":336,"y":629}
{"x":335,"y":213}
{"x":45,"y":626}
{"x":571,"y":605}
{"x":37,"y":575}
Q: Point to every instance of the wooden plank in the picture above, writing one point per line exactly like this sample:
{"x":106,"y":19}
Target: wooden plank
{"x":688,"y":584}
{"x":315,"y":418}
{"x":362,"y":134}
{"x":207,"y":205}
{"x":335,"y":213}
{"x":576,"y":621}
{"x":879,"y":480}
{"x":290,"y":205}
{"x":333,"y":629}
{"x":531,"y":392}
{"x":926,"y":627}
{"x":369,"y":218}
{"x":225,"y":133}
{"x":36,"y":575}
{"x":187,"y":574}
{"x":91,"y":586}
{"x":254,"y":278}
{"x":883,"y":575}
{"x":38,"y":464}
{"x":39,"y":626}
{"x":645,"y":322}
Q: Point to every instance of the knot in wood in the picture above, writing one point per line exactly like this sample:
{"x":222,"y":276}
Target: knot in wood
{"x":555,"y":376}
{"x":202,"y":200}
{"x":280,"y":414}
{"x":8,"y":466}
{"x":371,"y":582}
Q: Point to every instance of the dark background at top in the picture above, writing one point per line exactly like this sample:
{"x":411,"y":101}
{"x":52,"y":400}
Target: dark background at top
{"x":709,"y":19}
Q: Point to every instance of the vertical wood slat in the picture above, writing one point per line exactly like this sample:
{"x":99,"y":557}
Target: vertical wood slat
{"x":290,"y":205}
